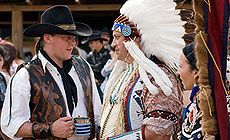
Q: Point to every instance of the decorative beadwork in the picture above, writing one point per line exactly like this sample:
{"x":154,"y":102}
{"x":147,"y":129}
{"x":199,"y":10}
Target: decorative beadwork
{"x":124,"y":29}
{"x":67,"y":26}
{"x":117,"y":91}
{"x":191,"y":127}
{"x":118,"y":84}
{"x":163,"y":114}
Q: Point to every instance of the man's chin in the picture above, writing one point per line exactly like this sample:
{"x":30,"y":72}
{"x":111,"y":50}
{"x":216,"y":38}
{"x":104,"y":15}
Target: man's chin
{"x":68,"y":58}
{"x":121,"y":59}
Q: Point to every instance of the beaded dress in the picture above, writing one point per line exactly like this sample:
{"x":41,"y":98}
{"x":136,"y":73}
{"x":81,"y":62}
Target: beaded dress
{"x":191,"y":127}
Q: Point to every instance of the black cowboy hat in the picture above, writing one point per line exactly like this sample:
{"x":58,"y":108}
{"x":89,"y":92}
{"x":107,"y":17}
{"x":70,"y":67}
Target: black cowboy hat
{"x":95,"y":36}
{"x":58,"y":20}
{"x":105,"y":30}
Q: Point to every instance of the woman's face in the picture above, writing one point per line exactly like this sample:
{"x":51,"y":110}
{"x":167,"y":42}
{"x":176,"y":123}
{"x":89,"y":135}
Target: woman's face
{"x":187,"y":75}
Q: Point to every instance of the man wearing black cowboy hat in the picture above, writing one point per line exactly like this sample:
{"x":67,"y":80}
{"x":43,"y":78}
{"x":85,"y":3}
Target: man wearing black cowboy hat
{"x":98,"y":56}
{"x":105,"y":33}
{"x":46,"y":94}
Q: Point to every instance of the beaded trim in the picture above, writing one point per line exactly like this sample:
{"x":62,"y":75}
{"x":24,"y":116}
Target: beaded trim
{"x":67,"y":26}
{"x":188,"y":125}
{"x":133,"y":67}
{"x":124,"y":29}
{"x":125,"y":76}
{"x":163,"y":114}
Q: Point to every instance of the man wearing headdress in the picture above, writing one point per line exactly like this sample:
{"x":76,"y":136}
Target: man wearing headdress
{"x":45,"y":95}
{"x":144,"y":95}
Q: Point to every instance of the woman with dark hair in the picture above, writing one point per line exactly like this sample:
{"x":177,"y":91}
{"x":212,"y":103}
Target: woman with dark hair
{"x":9,"y":66}
{"x":191,"y":127}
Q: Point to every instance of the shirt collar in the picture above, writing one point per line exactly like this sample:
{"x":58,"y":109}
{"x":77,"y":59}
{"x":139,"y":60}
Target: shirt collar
{"x":44,"y":61}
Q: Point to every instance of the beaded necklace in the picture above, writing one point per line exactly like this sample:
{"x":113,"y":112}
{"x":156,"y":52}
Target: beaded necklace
{"x":120,"y":83}
{"x":117,"y":91}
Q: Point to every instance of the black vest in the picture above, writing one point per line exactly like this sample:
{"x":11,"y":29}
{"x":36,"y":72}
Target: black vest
{"x":46,"y":102}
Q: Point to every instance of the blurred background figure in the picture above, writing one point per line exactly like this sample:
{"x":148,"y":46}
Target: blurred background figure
{"x":3,"y":83}
{"x":108,"y":68}
{"x":105,"y":33}
{"x":3,"y":86}
{"x":27,"y":56}
{"x":9,"y":66}
{"x":79,"y":51}
{"x":97,"y":58}
{"x":18,"y":60}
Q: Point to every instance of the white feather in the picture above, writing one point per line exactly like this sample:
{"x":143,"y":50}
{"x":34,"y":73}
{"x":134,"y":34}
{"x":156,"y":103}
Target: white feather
{"x":146,"y":65}
{"x":159,"y":24}
{"x":162,"y":29}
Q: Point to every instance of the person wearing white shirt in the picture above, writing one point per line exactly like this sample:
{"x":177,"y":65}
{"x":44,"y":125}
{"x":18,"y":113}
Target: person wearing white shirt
{"x":45,"y":95}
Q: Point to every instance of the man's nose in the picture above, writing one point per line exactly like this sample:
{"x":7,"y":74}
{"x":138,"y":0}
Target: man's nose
{"x":114,"y":43}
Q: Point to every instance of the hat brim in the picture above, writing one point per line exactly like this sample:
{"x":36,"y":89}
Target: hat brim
{"x":38,"y":30}
{"x":87,"y":39}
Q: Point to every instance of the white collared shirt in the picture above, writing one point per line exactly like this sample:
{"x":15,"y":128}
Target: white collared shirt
{"x":20,"y":111}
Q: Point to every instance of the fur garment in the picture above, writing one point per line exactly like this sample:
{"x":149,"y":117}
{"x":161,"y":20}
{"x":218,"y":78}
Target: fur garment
{"x":209,"y":122}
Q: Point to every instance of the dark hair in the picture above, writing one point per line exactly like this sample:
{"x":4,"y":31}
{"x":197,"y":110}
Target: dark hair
{"x":2,"y":51}
{"x":39,"y":44}
{"x":189,"y":52}
{"x":10,"y":54}
{"x":105,"y":30}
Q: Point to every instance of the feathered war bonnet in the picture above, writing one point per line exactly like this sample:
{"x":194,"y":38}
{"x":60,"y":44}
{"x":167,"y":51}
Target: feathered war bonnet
{"x":161,"y":31}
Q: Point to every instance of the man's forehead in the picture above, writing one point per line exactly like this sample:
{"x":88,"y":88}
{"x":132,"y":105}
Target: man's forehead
{"x":116,"y":33}
{"x":104,"y":35}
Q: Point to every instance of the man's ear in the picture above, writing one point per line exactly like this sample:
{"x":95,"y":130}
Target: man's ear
{"x":47,"y":38}
{"x":138,"y":41}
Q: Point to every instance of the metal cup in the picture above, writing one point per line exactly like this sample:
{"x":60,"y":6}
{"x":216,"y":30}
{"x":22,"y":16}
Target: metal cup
{"x":82,"y":127}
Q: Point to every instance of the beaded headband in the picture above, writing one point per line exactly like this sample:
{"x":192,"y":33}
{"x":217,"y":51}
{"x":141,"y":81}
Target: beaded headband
{"x":124,"y":29}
